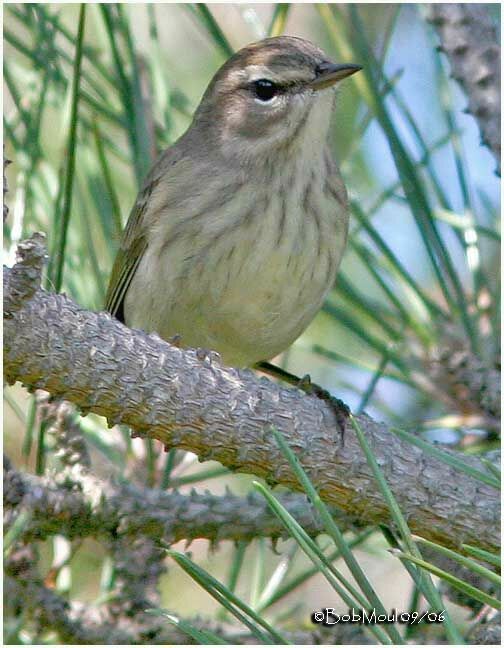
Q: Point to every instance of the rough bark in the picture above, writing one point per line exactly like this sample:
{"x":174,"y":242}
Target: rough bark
{"x":77,"y":623}
{"x":469,"y":39}
{"x":472,"y":384}
{"x":189,"y":400}
{"x":487,"y":634}
{"x":78,"y":505}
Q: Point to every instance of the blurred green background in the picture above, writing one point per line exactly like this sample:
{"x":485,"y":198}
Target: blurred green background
{"x":421,"y":271}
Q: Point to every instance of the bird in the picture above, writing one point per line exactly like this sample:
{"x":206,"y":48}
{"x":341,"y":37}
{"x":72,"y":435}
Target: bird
{"x":236,"y":236}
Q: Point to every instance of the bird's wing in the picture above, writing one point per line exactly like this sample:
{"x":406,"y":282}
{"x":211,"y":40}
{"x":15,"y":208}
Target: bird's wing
{"x":133,"y":245}
{"x":175,"y":163}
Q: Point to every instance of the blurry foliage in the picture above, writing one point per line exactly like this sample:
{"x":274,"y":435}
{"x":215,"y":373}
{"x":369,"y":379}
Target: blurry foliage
{"x":420,"y":280}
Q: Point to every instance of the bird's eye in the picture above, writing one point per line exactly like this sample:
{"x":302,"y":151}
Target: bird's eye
{"x":264,"y":90}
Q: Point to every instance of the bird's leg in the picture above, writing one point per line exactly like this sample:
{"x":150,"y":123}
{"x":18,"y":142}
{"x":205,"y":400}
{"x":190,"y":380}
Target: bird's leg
{"x":341,"y":411}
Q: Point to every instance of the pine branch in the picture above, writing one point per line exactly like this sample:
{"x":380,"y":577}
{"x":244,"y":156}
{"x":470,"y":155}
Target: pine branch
{"x":488,"y":632}
{"x":79,"y":505}
{"x":469,"y":39}
{"x":191,"y":401}
{"x":78,"y":623}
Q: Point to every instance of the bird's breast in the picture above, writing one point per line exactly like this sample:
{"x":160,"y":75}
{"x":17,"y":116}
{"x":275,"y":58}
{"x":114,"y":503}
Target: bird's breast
{"x":249,"y":280}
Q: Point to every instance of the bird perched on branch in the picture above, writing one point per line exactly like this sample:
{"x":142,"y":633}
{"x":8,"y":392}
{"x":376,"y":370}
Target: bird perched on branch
{"x":236,"y":237}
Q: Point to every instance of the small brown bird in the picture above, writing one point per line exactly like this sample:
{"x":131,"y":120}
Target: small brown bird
{"x":237,"y":235}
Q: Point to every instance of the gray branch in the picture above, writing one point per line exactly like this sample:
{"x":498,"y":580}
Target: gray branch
{"x":79,"y":505}
{"x":60,"y":419}
{"x":469,"y":39}
{"x":78,"y":623}
{"x":189,"y":400}
{"x":138,"y":566}
{"x":465,"y":574}
{"x":473,"y":385}
{"x":23,"y":280}
{"x":487,"y":633}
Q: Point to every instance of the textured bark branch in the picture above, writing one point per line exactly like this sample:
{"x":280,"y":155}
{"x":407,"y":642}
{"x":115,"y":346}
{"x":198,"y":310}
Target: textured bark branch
{"x":469,"y":39}
{"x":191,"y":401}
{"x":465,"y":574}
{"x":84,"y":506}
{"x":23,"y":280}
{"x":77,"y":623}
{"x":472,"y":384}
{"x":138,"y":565}
{"x":487,"y":633}
{"x":59,"y":417}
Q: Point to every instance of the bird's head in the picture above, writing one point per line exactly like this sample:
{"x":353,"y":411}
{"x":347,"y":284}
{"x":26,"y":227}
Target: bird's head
{"x":271,"y":94}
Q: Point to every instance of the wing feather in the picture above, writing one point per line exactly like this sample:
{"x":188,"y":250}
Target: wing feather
{"x":135,"y":237}
{"x":129,"y":255}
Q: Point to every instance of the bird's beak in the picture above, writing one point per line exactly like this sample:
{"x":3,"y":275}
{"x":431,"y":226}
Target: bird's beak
{"x":329,"y":73}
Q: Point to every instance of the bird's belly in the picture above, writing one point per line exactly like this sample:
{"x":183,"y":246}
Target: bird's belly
{"x":247,"y":294}
{"x":254,"y":311}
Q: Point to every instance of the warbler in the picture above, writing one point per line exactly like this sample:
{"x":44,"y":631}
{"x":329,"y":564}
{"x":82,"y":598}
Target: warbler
{"x":237,"y":234}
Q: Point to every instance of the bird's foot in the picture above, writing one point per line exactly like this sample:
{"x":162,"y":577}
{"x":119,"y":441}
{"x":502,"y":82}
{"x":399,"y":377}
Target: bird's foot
{"x":340,"y":409}
{"x":207,"y":355}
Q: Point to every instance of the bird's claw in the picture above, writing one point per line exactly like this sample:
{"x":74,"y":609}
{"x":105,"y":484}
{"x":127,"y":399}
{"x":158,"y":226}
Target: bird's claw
{"x":207,"y":355}
{"x":175,"y":340}
{"x":305,"y":383}
{"x":202,"y":354}
{"x":340,"y":409}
